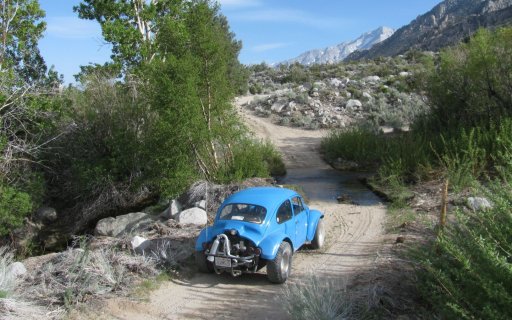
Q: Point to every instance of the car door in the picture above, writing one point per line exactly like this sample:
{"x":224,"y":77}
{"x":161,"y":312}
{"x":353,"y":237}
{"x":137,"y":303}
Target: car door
{"x":301,"y":220}
{"x":286,"y":219}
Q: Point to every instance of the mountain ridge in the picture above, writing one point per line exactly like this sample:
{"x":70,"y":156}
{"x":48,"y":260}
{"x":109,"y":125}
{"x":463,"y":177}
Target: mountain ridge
{"x":339,"y":52}
{"x":446,"y":24}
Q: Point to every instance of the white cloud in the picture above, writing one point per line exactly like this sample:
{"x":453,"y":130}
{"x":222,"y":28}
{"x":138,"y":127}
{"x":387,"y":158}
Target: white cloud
{"x":270,"y":46}
{"x":72,"y":28}
{"x":239,"y":3}
{"x":287,"y":15}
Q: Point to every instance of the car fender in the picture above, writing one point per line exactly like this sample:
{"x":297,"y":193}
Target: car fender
{"x":206,"y":235}
{"x":270,"y":245}
{"x":313,"y":218}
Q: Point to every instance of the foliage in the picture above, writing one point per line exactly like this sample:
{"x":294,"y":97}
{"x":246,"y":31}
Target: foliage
{"x":466,"y":273}
{"x":21,"y":27}
{"x":472,"y":83}
{"x":130,"y":26}
{"x":252,"y":159}
{"x":14,"y":207}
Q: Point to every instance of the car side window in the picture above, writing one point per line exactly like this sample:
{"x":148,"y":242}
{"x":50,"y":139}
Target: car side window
{"x":284,"y":213}
{"x":297,"y":205}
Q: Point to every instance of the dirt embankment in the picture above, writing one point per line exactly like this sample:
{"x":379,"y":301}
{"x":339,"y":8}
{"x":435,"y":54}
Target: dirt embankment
{"x":354,"y":237}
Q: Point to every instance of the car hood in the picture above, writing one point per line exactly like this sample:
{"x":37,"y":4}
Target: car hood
{"x":251,"y":231}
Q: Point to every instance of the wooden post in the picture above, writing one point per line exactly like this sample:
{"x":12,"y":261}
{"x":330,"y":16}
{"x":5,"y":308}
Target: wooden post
{"x":444,"y":203}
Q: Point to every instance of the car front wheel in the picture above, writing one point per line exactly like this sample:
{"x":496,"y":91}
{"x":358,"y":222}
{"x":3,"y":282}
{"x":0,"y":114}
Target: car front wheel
{"x":318,"y":240}
{"x":279,"y":268}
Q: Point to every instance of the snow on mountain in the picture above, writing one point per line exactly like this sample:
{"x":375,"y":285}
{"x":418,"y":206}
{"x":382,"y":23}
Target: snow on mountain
{"x":339,"y":52}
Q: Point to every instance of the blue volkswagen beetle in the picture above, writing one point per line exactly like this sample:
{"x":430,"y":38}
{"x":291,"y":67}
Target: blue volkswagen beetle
{"x":259,"y":227}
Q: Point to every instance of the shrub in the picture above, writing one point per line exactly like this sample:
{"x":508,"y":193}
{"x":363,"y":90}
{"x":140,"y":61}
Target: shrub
{"x":7,"y":282}
{"x":252,"y":159}
{"x":466,"y":273}
{"x":470,"y":86}
{"x":317,"y":299}
{"x":14,"y":207}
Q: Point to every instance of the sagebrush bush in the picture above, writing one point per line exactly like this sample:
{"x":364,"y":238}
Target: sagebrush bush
{"x":7,"y":282}
{"x":317,"y":298}
{"x":467,"y":272}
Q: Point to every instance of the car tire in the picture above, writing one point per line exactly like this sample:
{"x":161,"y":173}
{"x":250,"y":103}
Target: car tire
{"x":202,"y":263}
{"x":319,"y":238}
{"x":278,"y":269}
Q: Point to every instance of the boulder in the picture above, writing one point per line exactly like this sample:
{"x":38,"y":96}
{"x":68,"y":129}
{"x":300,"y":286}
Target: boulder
{"x":15,"y":270}
{"x":124,"y":224}
{"x":139,"y":243}
{"x":372,"y":79}
{"x":404,"y":74}
{"x":353,"y":104}
{"x":171,"y":212}
{"x":201,"y":204}
{"x":278,"y":107}
{"x":193,"y":216}
{"x":335,"y":82}
{"x":367,"y":96}
{"x":478,"y":204}
{"x":46,"y":214}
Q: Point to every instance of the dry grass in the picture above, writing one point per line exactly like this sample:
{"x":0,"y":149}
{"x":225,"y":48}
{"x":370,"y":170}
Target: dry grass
{"x":7,"y":282}
{"x":318,"y":298}
{"x":77,"y":275}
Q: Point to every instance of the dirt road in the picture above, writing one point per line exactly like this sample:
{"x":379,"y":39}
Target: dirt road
{"x":353,"y":238}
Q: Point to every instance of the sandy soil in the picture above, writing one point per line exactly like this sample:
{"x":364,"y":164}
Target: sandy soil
{"x":354,"y":237}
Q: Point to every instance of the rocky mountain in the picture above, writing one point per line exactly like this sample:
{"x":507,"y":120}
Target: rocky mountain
{"x":339,"y":52}
{"x":447,"y":23}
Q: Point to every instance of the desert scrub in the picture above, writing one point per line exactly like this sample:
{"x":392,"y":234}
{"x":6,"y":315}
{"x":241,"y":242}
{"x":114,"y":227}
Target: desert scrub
{"x":76,"y":274}
{"x":466,"y":274}
{"x":7,"y":282}
{"x":317,"y":298}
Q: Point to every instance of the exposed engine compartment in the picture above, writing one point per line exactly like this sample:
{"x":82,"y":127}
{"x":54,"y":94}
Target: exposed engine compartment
{"x":232,"y":253}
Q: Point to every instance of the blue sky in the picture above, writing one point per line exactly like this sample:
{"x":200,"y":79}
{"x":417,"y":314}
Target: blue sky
{"x":270,"y":31}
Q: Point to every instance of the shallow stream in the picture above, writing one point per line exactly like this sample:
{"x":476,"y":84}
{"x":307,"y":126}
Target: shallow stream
{"x":327,"y":184}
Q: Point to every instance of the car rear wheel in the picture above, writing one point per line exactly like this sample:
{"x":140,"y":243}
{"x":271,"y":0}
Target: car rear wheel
{"x":202,"y":263}
{"x":280,"y":267}
{"x":318,"y":240}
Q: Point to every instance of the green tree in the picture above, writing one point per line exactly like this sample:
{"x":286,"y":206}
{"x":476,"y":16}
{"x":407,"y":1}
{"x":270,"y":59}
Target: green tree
{"x":21,"y":27}
{"x":131,"y":26}
{"x":193,"y":84}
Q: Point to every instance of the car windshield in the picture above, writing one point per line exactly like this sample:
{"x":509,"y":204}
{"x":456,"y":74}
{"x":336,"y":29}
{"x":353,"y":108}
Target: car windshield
{"x":243,"y":212}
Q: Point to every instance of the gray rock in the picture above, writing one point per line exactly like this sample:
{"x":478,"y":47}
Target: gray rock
{"x":174,"y":209}
{"x":353,"y":104}
{"x":478,"y":204}
{"x":193,"y":216}
{"x":367,"y":96}
{"x":46,"y":214}
{"x":139,"y":243}
{"x":335,"y":82}
{"x":372,"y":79}
{"x":201,"y":204}
{"x":16,"y":270}
{"x":278,"y":107}
{"x":171,"y":211}
{"x":125,"y":224}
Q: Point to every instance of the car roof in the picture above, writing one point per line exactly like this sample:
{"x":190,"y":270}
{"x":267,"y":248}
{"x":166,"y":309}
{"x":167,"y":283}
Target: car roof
{"x":268,"y":197}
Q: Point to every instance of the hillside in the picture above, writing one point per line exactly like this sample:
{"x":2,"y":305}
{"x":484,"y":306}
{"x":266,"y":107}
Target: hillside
{"x":447,"y":23}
